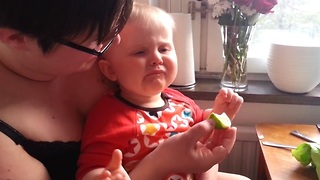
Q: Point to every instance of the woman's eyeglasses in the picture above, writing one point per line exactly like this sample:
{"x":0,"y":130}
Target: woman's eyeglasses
{"x":85,"y":49}
{"x":104,"y":48}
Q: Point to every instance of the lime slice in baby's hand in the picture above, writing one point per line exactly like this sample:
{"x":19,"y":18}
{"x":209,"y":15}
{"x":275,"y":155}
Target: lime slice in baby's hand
{"x":222,"y":121}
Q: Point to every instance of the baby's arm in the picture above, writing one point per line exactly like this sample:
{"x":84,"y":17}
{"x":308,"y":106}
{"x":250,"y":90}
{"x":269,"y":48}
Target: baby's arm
{"x":226,"y":101}
{"x":114,"y":170}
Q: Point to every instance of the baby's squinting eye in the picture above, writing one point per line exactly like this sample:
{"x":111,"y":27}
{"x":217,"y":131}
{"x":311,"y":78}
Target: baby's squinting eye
{"x":139,"y":52}
{"x":164,"y":50}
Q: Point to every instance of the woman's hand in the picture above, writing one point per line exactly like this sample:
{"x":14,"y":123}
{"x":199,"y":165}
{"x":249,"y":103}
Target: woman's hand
{"x":184,"y":153}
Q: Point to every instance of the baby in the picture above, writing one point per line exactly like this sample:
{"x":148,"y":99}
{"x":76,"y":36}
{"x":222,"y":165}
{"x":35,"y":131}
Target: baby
{"x":142,"y":111}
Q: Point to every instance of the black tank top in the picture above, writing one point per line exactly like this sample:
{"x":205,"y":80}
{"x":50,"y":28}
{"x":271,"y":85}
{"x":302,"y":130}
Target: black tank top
{"x":59,"y":158}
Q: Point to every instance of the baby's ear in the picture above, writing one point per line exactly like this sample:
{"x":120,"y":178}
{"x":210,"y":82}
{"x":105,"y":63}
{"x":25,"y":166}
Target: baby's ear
{"x":12,"y":38}
{"x":107,"y":70}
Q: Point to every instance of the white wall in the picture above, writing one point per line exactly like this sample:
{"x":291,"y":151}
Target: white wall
{"x":142,"y":1}
{"x":250,"y":113}
{"x":206,"y":38}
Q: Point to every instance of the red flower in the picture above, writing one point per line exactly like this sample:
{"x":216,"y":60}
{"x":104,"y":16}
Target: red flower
{"x":263,"y":6}
{"x":243,"y":2}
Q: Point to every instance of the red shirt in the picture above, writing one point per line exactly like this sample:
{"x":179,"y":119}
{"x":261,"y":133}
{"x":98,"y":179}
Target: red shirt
{"x":115,"y":123}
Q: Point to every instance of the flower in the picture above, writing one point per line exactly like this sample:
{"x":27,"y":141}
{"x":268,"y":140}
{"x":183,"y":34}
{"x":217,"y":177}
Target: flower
{"x":237,"y":19}
{"x":240,"y":12}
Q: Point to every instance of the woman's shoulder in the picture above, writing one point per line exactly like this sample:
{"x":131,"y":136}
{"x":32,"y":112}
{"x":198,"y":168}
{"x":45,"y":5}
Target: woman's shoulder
{"x":20,"y":162}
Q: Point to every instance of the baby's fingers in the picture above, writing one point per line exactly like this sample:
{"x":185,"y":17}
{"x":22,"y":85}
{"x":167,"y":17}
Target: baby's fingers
{"x":115,"y":161}
{"x":236,"y":101}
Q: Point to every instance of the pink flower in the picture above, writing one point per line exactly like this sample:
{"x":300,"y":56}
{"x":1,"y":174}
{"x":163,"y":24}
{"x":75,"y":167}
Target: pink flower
{"x":243,"y":2}
{"x":247,"y":11}
{"x":264,"y":6}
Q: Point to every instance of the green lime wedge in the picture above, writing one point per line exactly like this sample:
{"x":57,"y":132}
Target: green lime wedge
{"x":222,"y":120}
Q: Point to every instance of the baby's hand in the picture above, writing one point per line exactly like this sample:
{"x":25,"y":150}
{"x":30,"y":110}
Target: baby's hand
{"x":227,"y":101}
{"x":114,"y":170}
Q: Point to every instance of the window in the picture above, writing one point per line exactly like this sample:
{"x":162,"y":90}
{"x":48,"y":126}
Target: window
{"x":293,"y":21}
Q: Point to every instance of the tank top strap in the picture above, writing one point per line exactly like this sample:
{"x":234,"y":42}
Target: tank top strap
{"x":12,"y":133}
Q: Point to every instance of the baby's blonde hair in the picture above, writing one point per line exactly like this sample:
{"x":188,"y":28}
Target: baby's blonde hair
{"x":150,"y":16}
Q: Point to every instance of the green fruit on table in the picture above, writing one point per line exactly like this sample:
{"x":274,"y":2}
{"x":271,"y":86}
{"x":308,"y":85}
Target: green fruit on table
{"x":222,"y":121}
{"x":308,"y":154}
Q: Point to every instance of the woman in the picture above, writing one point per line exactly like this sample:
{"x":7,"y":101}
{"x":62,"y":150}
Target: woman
{"x":49,"y":80}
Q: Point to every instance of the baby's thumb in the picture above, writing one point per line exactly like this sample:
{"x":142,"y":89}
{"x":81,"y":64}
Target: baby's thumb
{"x":116,"y":160}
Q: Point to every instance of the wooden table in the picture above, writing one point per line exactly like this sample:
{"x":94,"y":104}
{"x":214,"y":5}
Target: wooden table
{"x":277,"y":163}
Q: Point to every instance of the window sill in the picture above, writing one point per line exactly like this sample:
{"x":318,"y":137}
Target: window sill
{"x":260,"y":90}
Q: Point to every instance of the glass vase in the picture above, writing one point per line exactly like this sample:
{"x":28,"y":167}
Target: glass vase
{"x":236,"y":40}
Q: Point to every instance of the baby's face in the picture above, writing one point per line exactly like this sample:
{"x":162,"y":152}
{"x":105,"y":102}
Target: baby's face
{"x":144,"y":62}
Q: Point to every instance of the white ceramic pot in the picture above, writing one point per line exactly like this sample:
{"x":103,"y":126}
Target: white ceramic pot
{"x":294,"y":68}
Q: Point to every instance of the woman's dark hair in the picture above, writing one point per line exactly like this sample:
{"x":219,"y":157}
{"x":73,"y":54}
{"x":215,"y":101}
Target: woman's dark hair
{"x":50,"y":20}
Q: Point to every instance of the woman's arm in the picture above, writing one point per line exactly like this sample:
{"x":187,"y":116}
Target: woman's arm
{"x":186,"y":149}
{"x":211,"y":174}
{"x":15,"y":163}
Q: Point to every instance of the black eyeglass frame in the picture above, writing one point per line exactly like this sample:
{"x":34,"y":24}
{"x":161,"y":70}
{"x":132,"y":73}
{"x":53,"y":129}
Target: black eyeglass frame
{"x":85,"y":49}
